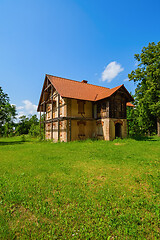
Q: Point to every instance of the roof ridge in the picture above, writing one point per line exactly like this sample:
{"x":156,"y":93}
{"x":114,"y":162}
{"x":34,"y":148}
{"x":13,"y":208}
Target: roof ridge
{"x":118,"y":86}
{"x":77,"y":81}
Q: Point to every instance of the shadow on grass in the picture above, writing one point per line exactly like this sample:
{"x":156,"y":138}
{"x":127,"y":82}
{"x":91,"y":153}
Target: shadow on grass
{"x":144,"y":138}
{"x":11,"y":143}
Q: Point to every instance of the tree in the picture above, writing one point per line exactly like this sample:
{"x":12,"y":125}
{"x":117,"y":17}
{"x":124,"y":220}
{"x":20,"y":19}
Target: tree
{"x":147,"y":93}
{"x":34,"y":130}
{"x":33,"y":120}
{"x":25,"y":123}
{"x":22,"y":127}
{"x":132,"y":118}
{"x":7,"y":114}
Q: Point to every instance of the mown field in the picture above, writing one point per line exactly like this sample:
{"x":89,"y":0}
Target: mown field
{"x":80,"y":190}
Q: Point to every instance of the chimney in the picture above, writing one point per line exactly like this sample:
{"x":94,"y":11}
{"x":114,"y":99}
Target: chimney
{"x":84,"y":81}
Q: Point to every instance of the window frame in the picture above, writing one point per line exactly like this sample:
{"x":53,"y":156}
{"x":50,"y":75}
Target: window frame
{"x":81,"y":104}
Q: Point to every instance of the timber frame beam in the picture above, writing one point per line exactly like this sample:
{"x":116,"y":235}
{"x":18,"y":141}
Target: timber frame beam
{"x":58,"y":117}
{"x":52,"y":113}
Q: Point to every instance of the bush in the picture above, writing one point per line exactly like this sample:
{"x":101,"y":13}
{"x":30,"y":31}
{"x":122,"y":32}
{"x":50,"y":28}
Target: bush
{"x":34,"y":131}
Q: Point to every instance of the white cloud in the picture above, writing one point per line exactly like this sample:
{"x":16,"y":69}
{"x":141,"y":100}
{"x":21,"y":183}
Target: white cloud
{"x":27,"y":108}
{"x":126,"y":80}
{"x":20,"y":107}
{"x":111,"y":71}
{"x":30,"y":107}
{"x":20,"y":114}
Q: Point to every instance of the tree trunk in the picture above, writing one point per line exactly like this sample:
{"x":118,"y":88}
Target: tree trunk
{"x":158,"y":127}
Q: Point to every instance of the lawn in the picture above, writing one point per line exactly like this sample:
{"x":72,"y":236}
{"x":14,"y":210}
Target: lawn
{"x":79,"y":190}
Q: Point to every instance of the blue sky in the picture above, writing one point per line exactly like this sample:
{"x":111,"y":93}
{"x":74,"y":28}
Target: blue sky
{"x":78,"y":39}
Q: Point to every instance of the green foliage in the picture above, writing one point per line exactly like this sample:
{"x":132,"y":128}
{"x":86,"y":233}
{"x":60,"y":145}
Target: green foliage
{"x":132,"y":121}
{"x":7,"y":114}
{"x":25,"y":123}
{"x":79,"y":190}
{"x":34,"y":130}
{"x":147,"y":93}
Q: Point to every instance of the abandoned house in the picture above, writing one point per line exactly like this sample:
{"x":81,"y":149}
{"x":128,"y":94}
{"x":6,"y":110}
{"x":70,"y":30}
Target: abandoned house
{"x":75,"y":110}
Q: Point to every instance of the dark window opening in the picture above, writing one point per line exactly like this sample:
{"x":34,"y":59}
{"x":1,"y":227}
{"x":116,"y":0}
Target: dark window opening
{"x":98,"y":108}
{"x":104,"y":107}
{"x":118,"y":130}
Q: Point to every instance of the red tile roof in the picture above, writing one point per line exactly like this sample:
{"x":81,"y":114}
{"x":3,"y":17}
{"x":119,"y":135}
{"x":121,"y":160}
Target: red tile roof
{"x":130,"y":104}
{"x":82,"y":90}
{"x":74,"y":89}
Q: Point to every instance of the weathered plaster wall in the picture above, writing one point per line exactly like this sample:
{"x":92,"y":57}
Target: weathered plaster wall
{"x":73,"y":109}
{"x":88,"y":127}
{"x":102,"y":129}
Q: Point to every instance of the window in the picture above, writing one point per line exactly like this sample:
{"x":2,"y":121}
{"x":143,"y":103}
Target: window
{"x":98,"y":108}
{"x":81,"y":106}
{"x":101,"y":107}
{"x":104,"y":107}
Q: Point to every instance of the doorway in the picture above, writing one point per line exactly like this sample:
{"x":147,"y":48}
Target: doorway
{"x":118,"y":130}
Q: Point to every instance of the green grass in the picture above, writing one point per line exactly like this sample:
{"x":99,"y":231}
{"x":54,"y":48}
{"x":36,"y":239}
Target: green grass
{"x":79,"y":190}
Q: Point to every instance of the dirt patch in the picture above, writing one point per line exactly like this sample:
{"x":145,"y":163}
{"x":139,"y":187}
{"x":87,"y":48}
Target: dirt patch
{"x":25,"y":215}
{"x":117,"y":144}
{"x":102,"y":178}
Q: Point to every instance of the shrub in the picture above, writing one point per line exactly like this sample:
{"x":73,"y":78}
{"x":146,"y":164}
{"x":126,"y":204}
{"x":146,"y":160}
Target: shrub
{"x":34,"y":130}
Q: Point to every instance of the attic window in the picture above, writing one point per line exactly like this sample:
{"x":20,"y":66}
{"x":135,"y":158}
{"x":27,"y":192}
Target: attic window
{"x":81,"y":107}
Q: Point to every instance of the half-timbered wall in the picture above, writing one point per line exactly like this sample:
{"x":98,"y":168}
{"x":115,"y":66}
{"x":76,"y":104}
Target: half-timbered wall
{"x":57,"y":125}
{"x":70,"y":119}
{"x":117,"y":106}
{"x":103,"y":109}
{"x":74,"y":108}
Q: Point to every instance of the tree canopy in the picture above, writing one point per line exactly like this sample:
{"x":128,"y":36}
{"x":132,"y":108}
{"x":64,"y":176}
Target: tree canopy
{"x":25,"y":123}
{"x":147,"y":93}
{"x":7,"y":113}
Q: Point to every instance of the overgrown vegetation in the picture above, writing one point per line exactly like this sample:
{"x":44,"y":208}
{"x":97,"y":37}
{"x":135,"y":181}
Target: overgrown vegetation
{"x":79,"y":190}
